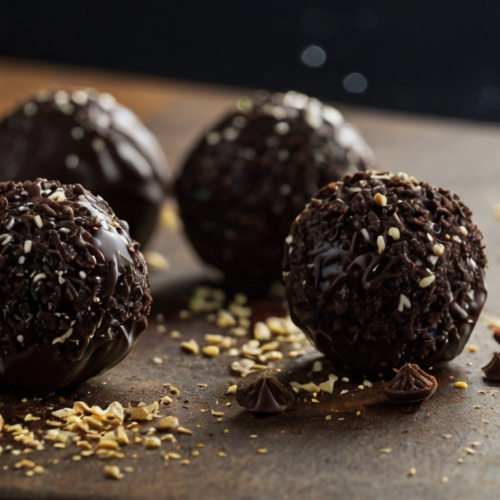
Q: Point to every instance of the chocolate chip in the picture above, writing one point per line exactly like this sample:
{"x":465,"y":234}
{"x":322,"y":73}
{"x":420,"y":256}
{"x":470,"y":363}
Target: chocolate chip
{"x":265,"y":396}
{"x":410,"y":385}
{"x":492,"y":369}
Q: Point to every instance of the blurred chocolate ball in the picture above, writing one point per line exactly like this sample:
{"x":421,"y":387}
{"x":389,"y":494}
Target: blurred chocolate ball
{"x":85,"y":137}
{"x":248,"y":178}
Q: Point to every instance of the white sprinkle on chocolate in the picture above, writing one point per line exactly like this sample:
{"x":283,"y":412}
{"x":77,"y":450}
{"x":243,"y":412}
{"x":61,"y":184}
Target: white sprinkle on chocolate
{"x":77,"y":133}
{"x":98,"y":145}
{"x":380,"y":244}
{"x":30,"y":109}
{"x":427,"y":281}
{"x":28,"y":245}
{"x":394,"y":233}
{"x":38,"y":277}
{"x":282,"y":128}
{"x":63,"y":337}
{"x":365,"y":234}
{"x":404,"y":301}
{"x":38,"y":221}
{"x":5,"y":239}
{"x":82,"y":274}
{"x":230,"y":134}
{"x":213,"y":138}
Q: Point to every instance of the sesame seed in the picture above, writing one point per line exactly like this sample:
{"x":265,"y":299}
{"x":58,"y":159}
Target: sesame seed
{"x":262,"y":451}
{"x":385,"y":450}
{"x":412,"y":471}
{"x":472,"y":348}
{"x":444,"y":479}
{"x":463,"y":230}
{"x":461,"y":385}
{"x":38,"y":221}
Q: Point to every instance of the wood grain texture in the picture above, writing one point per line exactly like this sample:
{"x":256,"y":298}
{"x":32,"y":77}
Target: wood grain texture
{"x":308,"y":456}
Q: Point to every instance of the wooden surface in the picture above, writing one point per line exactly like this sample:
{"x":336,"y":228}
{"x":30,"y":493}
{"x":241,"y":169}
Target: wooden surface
{"x":308,"y":456}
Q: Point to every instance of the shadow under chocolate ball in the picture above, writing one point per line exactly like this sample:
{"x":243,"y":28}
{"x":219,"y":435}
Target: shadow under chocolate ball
{"x":248,"y":178}
{"x":382,"y":270}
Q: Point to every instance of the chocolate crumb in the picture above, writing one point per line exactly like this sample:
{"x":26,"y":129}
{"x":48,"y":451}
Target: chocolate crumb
{"x":492,"y":369}
{"x":265,"y":396}
{"x":410,"y":385}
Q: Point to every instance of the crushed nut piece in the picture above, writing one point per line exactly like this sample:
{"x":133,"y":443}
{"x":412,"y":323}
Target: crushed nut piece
{"x":112,"y":472}
{"x":191,"y":347}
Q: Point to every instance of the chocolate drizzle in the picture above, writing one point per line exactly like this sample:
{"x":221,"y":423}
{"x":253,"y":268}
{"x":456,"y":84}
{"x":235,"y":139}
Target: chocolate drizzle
{"x":86,"y":137}
{"x":265,"y":396}
{"x":74,"y":287}
{"x":375,"y":285}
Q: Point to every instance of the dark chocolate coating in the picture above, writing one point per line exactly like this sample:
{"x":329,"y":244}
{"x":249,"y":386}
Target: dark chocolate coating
{"x":265,"y":396}
{"x":87,"y":138}
{"x":377,"y":286}
{"x":250,"y":176}
{"x":411,"y":385}
{"x":74,"y":289}
{"x":492,"y":369}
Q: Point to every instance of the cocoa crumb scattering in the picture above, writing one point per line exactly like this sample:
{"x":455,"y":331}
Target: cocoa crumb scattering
{"x":410,"y":385}
{"x":265,"y":396}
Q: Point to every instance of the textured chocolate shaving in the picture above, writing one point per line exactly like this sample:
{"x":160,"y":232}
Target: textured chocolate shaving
{"x":382,"y":270}
{"x":410,"y":385}
{"x":85,"y":137}
{"x":252,"y":173}
{"x":74,"y":290}
{"x":265,"y":396}
{"x":492,"y":369}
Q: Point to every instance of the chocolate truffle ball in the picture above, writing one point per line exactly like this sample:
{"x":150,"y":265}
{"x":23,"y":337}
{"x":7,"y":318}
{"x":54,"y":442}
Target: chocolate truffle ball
{"x":74,"y":289}
{"x":87,"y":138}
{"x":250,"y":176}
{"x":382,"y":270}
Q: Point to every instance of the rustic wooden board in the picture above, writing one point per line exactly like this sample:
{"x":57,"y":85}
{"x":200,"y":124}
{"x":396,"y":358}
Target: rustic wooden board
{"x":308,"y":456}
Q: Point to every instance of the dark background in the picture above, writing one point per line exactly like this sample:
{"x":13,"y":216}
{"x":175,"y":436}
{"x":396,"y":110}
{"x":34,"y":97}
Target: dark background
{"x":439,"y":56}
